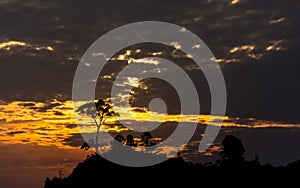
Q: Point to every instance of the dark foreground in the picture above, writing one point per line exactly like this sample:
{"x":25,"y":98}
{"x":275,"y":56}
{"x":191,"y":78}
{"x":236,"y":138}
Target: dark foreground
{"x":231,"y":169}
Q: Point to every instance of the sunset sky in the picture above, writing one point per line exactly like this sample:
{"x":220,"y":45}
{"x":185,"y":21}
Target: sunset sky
{"x":41,"y":43}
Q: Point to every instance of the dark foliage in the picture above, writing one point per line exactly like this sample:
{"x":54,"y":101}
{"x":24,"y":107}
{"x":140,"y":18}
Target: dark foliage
{"x":230,"y":169}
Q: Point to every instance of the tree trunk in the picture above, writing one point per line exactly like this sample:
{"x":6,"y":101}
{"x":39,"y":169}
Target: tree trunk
{"x":97,"y":137}
{"x":97,"y":134}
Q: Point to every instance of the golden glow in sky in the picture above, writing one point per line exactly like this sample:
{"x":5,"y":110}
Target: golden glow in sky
{"x":8,"y":45}
{"x":233,"y":2}
{"x":48,"y":124}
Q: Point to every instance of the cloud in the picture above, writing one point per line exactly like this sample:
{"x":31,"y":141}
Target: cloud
{"x":57,"y":113}
{"x":12,"y":133}
{"x":23,"y":122}
{"x":9,"y":44}
{"x":74,"y":140}
{"x":46,"y":40}
{"x":48,"y":106}
{"x":46,"y":129}
{"x":71,"y":126}
{"x":141,"y":110}
{"x":276,"y":21}
{"x":27,"y":104}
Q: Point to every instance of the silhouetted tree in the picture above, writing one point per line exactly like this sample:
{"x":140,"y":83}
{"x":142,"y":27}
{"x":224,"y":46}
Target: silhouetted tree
{"x":85,"y":146}
{"x":233,"y":150}
{"x":130,"y":140}
{"x":120,"y":138}
{"x":47,"y":182}
{"x":295,"y":164}
{"x":146,"y":139}
{"x":86,"y":173}
{"x":99,"y":111}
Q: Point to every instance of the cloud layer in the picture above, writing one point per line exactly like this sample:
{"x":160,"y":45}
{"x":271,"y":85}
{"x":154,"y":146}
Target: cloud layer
{"x":41,"y":43}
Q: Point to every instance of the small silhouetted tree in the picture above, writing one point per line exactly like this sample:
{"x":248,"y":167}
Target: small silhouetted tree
{"x":47,"y":182}
{"x":233,"y":150}
{"x":100,"y":112}
{"x":120,"y":138}
{"x":130,"y":140}
{"x":85,"y":146}
{"x":146,"y":139}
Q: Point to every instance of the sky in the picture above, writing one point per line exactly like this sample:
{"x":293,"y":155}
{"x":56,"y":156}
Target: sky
{"x":42,"y":41}
{"x":254,"y":41}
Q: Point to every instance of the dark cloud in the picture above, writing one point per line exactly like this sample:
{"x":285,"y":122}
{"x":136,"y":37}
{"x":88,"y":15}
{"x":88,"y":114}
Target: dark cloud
{"x":12,"y":133}
{"x":49,"y":106}
{"x":75,"y":140}
{"x":71,"y":126}
{"x":260,"y":83}
{"x":142,"y":110}
{"x":3,"y":102}
{"x":44,"y":129}
{"x":57,"y":113}
{"x":29,"y":104}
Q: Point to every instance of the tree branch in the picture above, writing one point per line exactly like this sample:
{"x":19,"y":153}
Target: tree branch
{"x":96,"y":122}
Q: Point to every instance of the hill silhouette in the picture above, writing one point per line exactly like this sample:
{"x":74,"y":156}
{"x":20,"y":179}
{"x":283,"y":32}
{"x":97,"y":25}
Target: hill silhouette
{"x":231,"y":167}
